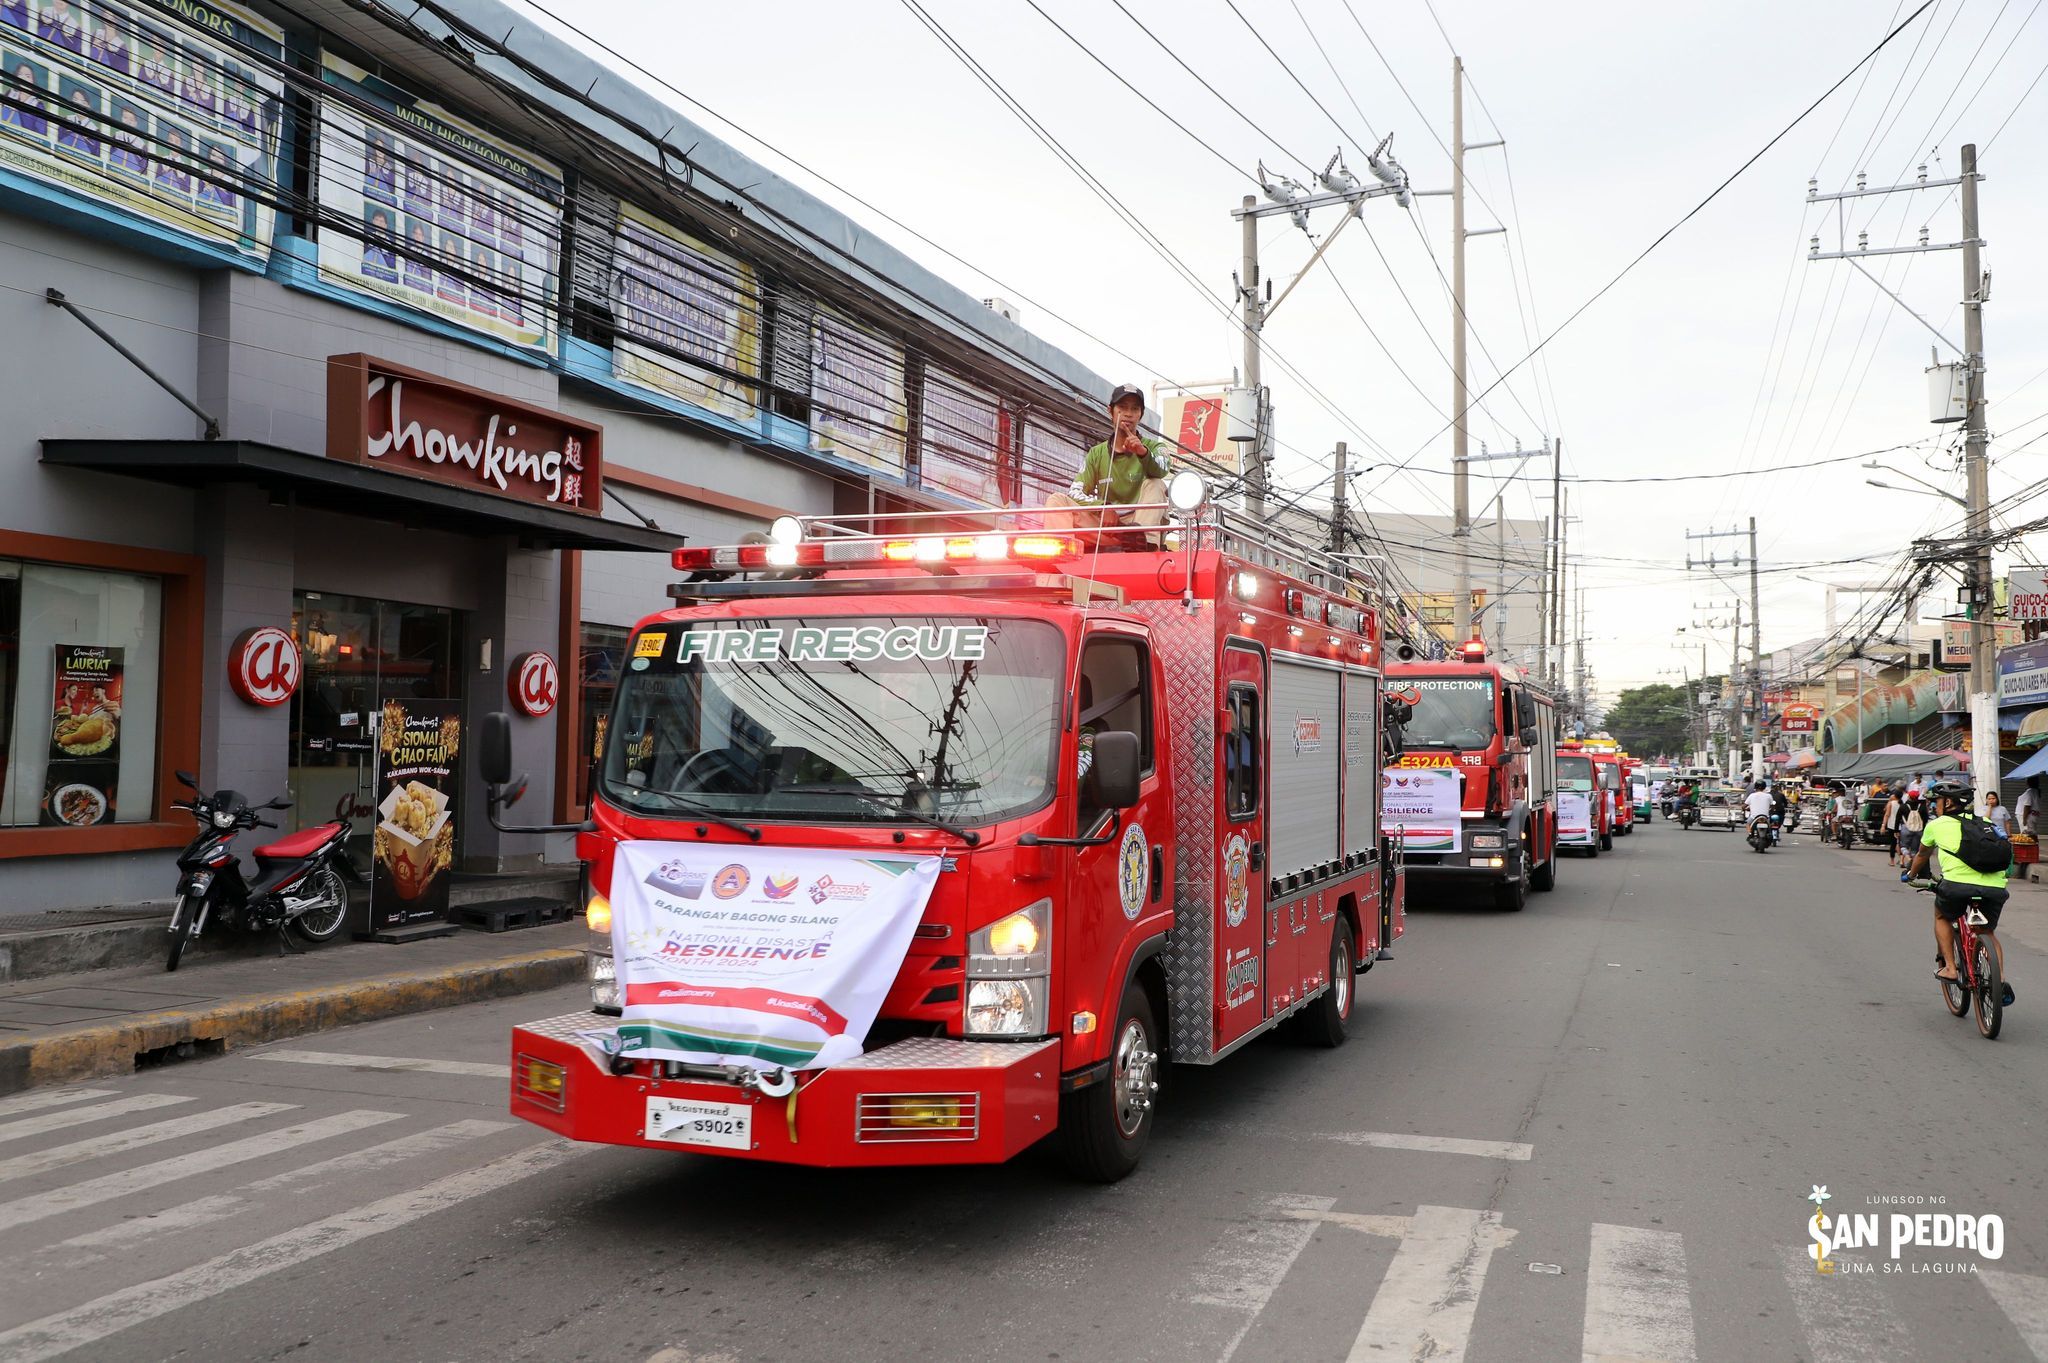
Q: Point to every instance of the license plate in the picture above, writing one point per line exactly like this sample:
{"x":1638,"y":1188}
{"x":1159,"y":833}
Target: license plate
{"x":688,"y":1121}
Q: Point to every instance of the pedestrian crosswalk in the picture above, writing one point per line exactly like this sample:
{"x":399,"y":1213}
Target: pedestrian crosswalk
{"x":130,"y":1211}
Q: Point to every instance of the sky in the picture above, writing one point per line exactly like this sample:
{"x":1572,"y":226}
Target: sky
{"x":1725,"y":351}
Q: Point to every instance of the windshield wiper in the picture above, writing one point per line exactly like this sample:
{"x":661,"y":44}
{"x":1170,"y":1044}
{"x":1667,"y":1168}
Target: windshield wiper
{"x":875,"y":797}
{"x":703,"y":811}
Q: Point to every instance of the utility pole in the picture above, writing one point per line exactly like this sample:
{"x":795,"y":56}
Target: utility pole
{"x":1983,"y":649}
{"x":1337,"y":527}
{"x":1735,"y":693}
{"x":1564,"y":524}
{"x":1983,"y":652}
{"x":1461,"y":513}
{"x":1254,"y":319}
{"x":1756,"y":661}
{"x":1255,"y":296}
{"x":1551,"y":543}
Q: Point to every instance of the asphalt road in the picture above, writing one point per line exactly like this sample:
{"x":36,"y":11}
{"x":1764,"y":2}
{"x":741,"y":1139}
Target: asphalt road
{"x":1588,"y":1130}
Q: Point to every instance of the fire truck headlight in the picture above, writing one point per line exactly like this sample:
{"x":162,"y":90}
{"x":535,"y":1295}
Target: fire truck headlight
{"x":604,"y":982}
{"x":1016,"y":945}
{"x":1487,"y":842}
{"x":1186,"y":491}
{"x":1006,"y":1008}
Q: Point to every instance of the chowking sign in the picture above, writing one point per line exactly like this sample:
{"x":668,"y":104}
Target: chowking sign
{"x":390,"y":417}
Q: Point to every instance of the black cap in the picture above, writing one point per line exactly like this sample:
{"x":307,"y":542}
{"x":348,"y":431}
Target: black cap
{"x":1127,"y":390}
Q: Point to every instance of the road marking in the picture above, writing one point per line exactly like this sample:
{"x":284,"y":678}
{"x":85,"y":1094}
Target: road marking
{"x":117,"y":1311}
{"x":1368,"y":1223}
{"x":77,"y":1152}
{"x":387,"y":1062}
{"x":38,"y":1099}
{"x":1847,"y":1313}
{"x":83,"y":1116}
{"x":23,"y":1210}
{"x":2024,"y":1299}
{"x":1637,"y":1305}
{"x":1425,"y":1303}
{"x":1438,"y":1145}
{"x":1242,"y":1271}
{"x":203,"y":1211}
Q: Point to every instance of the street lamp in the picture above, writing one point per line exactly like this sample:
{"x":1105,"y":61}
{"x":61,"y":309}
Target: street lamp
{"x":1931,"y":489}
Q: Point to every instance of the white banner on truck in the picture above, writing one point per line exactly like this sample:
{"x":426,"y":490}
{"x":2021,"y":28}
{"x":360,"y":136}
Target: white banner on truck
{"x":763,"y":957}
{"x":1424,"y":804}
{"x":1574,"y":818}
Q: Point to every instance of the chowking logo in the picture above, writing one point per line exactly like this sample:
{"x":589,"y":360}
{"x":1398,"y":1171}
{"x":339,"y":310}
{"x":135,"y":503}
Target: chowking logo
{"x":1983,"y":1236}
{"x":779,"y":886}
{"x":677,"y":878}
{"x":730,"y":882}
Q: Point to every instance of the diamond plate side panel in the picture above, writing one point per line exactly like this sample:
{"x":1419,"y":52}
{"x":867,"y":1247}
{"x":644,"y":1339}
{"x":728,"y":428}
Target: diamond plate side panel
{"x":1187,"y":647}
{"x":926,"y":1053}
{"x":566,"y":1027}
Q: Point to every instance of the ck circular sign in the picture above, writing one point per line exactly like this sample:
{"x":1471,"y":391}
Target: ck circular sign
{"x":263,"y":666}
{"x":534,"y":683}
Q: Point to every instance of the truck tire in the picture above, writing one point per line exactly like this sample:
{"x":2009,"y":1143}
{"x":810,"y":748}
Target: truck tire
{"x":1544,"y":877}
{"x":1106,"y":1126}
{"x":1324,"y":1022}
{"x":1510,"y":896}
{"x":1607,"y":842}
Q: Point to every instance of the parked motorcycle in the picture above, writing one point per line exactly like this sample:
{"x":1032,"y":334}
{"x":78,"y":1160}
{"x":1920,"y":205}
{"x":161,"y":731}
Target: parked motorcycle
{"x":299,"y":878}
{"x":1760,"y":833}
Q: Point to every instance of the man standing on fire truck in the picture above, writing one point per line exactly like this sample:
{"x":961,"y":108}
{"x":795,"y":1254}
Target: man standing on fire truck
{"x":1123,"y":470}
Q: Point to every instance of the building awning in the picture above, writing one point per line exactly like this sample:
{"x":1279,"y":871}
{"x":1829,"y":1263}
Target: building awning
{"x":2033,"y":729}
{"x":353,"y":489}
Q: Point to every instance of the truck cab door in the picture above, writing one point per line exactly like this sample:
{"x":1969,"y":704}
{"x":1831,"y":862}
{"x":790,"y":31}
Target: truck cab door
{"x":1247,"y":943}
{"x":1117,"y":891}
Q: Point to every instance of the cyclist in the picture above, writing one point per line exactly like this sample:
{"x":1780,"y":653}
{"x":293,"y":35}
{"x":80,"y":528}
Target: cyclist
{"x":1959,"y":882}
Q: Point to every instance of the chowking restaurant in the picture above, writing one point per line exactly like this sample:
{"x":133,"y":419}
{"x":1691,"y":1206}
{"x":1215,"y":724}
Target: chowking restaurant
{"x":413,"y":561}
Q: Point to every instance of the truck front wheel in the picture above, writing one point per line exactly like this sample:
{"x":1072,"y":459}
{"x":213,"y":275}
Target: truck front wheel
{"x":1107,"y":1125}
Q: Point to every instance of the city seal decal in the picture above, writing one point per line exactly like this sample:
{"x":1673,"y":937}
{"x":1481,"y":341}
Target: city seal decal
{"x":1237,"y":890}
{"x":1130,"y":871}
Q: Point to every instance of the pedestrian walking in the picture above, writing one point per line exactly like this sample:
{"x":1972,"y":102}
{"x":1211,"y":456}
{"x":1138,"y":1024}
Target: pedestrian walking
{"x":1890,"y":824}
{"x":1912,"y":823}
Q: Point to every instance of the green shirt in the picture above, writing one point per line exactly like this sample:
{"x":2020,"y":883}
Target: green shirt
{"x":1120,"y":476}
{"x":1946,"y":835}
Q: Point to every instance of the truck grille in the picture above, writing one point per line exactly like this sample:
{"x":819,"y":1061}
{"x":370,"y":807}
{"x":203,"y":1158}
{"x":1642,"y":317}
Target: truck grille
{"x":902,"y":1118}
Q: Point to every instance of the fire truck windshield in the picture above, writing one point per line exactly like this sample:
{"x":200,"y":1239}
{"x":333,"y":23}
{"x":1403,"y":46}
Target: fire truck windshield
{"x":838,"y":719}
{"x":1452,"y":712}
{"x":1574,"y":772}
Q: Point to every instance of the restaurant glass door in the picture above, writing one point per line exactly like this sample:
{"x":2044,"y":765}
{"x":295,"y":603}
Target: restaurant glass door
{"x":359,"y":653}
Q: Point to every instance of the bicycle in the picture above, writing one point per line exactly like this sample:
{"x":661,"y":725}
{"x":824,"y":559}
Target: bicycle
{"x":1977,"y":960}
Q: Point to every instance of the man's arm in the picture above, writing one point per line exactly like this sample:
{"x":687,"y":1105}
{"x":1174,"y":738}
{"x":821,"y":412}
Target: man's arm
{"x":1922,"y":859}
{"x":1157,"y":461}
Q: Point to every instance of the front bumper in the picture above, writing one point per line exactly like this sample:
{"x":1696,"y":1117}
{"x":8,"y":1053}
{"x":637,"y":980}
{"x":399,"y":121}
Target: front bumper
{"x":1002,"y":1096}
{"x":1467,"y":865}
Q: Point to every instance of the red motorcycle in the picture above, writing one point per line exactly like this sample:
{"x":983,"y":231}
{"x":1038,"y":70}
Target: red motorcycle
{"x":299,"y":878}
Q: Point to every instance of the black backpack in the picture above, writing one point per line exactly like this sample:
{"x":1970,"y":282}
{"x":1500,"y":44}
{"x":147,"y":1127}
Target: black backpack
{"x":1980,"y":848}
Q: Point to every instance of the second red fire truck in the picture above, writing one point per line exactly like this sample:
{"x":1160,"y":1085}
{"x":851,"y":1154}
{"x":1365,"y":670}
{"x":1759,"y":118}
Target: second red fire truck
{"x":1478,"y":753}
{"x":1142,"y":785}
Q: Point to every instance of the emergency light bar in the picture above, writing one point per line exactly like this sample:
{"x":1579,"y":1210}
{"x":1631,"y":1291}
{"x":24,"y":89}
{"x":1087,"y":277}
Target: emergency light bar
{"x":986,"y":548}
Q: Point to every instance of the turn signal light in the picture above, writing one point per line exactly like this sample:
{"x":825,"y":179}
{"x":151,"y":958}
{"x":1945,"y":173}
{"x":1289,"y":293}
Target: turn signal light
{"x":597,"y":916}
{"x":540,"y":1082}
{"x":912,"y":1109}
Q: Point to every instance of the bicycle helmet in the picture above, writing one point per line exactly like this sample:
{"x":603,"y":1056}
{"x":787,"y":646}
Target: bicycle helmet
{"x":1958,"y":791}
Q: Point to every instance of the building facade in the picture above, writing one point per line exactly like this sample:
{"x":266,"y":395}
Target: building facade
{"x":363,"y":355}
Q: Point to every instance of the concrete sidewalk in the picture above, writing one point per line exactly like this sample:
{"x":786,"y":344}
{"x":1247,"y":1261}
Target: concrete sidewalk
{"x":110,"y":1022}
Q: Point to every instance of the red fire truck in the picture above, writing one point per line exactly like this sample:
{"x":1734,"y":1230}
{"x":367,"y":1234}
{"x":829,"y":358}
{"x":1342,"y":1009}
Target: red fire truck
{"x":1487,"y":812}
{"x":1612,"y":815}
{"x":1152,"y":790}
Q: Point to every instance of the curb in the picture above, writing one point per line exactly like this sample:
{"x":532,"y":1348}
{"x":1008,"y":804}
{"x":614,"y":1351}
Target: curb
{"x":102,"y":1049}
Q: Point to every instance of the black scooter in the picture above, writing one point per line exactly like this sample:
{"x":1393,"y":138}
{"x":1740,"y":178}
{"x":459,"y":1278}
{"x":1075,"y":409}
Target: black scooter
{"x":298,"y":881}
{"x":1763,"y":832}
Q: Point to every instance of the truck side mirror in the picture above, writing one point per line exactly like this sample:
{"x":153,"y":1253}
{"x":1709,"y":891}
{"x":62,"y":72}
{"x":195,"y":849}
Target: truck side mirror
{"x":494,"y":748}
{"x":1115,"y":769}
{"x":1525,"y":711}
